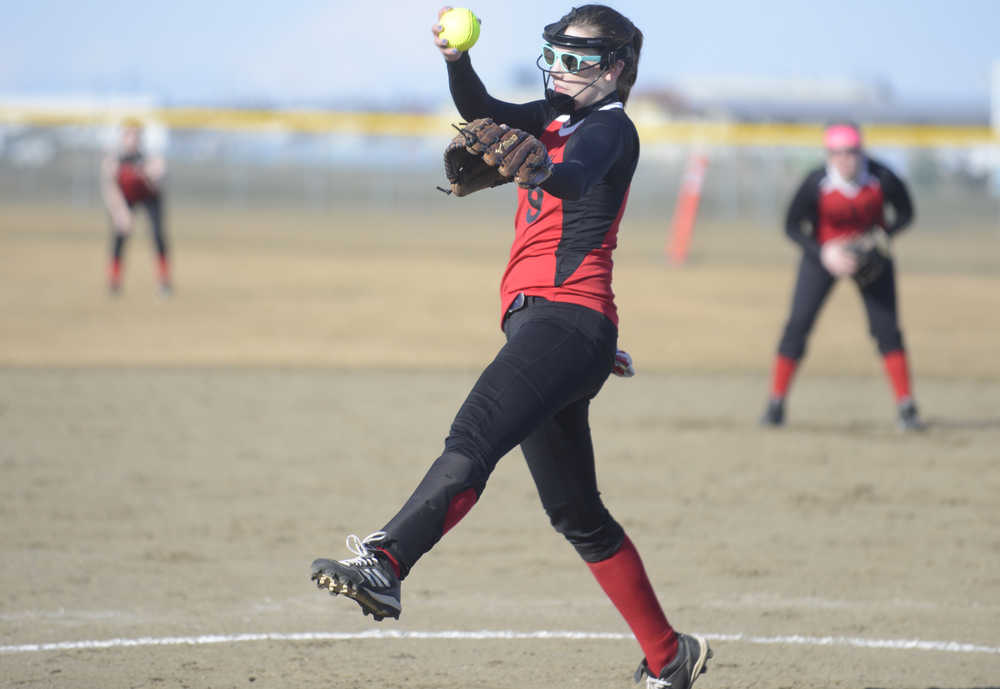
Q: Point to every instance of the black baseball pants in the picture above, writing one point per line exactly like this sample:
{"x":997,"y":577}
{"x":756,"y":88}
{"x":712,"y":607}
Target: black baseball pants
{"x":535,"y":393}
{"x":154,"y":207}
{"x":813,"y":285}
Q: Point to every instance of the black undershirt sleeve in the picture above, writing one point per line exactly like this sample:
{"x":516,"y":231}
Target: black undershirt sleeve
{"x":593,"y":148}
{"x":473,"y":101}
{"x":804,"y":211}
{"x":895,"y":193}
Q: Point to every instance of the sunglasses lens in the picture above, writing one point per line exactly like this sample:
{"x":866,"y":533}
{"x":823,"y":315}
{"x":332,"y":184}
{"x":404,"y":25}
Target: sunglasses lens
{"x":549,"y":56}
{"x":571,"y":63}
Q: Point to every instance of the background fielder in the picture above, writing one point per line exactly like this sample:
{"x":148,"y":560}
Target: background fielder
{"x":132,"y":179}
{"x":836,"y":207}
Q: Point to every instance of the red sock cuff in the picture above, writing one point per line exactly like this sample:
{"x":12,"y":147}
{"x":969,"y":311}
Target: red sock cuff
{"x":781,"y":375}
{"x":458,"y":508}
{"x":164,"y":267}
{"x":392,"y":561}
{"x":898,"y":371}
{"x":624,"y":580}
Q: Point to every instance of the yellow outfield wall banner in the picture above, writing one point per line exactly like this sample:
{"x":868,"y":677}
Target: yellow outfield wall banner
{"x":701,"y":132}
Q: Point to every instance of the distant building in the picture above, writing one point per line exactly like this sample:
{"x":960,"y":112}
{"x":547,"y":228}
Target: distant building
{"x":751,"y":99}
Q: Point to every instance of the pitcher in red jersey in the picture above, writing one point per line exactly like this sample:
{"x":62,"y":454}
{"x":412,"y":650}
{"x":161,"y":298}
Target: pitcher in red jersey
{"x":835,"y":204}
{"x":129,"y":179}
{"x":559,"y":318}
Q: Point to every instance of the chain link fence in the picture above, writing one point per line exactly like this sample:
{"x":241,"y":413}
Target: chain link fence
{"x":954,"y":188}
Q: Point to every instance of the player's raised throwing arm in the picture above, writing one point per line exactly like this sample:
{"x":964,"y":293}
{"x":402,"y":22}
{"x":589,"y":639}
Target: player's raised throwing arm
{"x":474,"y":102}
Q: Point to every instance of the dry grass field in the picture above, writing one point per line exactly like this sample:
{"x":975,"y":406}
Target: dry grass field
{"x":169,"y":467}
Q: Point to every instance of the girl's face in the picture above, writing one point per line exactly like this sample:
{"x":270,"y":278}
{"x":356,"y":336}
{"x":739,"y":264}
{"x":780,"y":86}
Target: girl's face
{"x":571,"y":83}
{"x":847,"y":162}
{"x":131,"y":139}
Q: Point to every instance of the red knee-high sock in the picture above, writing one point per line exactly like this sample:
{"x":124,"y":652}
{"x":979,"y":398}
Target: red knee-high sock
{"x":781,"y":375}
{"x":898,"y":372}
{"x":163,"y":268}
{"x":624,"y":580}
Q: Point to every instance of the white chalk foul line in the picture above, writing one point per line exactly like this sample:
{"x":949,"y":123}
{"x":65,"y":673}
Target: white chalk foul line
{"x":858,"y":642}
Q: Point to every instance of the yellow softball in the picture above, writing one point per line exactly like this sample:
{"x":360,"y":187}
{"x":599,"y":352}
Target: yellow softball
{"x":460,"y":27}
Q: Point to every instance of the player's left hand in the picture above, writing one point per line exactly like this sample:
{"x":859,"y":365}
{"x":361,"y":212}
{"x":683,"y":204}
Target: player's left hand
{"x":485,"y":154}
{"x":623,"y":364}
{"x":873,"y":255}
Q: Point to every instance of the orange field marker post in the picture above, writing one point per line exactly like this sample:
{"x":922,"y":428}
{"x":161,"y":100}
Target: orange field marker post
{"x":688,"y":198}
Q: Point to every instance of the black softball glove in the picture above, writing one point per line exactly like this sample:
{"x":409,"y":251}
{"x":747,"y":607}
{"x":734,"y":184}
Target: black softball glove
{"x":872,"y":252}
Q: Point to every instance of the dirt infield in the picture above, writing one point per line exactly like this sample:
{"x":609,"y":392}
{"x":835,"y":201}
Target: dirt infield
{"x":170,"y":467}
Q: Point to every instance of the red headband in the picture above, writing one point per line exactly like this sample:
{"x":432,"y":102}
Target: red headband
{"x":841,"y":136}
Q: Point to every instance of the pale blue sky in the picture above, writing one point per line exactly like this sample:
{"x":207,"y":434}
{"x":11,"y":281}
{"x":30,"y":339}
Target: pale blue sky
{"x":343,"y":52}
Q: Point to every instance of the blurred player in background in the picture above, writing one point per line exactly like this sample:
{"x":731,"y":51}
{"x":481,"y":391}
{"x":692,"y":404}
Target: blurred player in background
{"x":560,"y":321}
{"x":838,"y":217}
{"x":131,"y":179}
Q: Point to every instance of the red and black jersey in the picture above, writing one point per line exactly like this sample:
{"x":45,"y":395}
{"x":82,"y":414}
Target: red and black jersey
{"x":565,"y":230}
{"x":562,"y":245}
{"x":132,"y":180}
{"x":828,"y":207}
